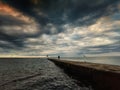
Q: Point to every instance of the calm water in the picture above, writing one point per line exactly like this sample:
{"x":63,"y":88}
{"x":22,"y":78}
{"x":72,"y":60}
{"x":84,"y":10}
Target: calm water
{"x":34,"y":74}
{"x":104,"y":60}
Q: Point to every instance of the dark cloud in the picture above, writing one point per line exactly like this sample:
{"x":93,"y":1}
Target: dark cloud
{"x":16,"y":40}
{"x":8,"y":34}
{"x":60,"y":12}
{"x":10,"y":21}
{"x":12,"y":38}
{"x":51,"y":15}
{"x":56,"y":10}
{"x":115,"y":47}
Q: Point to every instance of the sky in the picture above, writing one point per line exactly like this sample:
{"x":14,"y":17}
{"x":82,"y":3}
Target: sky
{"x":59,"y":27}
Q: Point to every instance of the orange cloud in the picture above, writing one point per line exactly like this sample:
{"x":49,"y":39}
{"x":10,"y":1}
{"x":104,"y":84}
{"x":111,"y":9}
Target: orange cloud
{"x":8,"y":10}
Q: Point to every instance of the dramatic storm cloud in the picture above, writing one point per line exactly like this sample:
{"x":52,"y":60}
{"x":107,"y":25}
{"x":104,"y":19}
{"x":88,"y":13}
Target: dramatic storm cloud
{"x":64,"y":27}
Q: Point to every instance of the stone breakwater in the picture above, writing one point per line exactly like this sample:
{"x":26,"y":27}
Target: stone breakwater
{"x":100,"y":76}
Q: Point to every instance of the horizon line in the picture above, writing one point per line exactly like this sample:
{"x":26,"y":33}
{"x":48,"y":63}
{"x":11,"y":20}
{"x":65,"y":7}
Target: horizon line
{"x":22,"y":56}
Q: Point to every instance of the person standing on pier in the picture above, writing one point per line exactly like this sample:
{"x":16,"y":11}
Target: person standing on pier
{"x":58,"y":57}
{"x":47,"y":56}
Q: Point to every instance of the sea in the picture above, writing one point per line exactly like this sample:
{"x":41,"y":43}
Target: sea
{"x":42,"y":74}
{"x":111,"y":60}
{"x":35,"y":74}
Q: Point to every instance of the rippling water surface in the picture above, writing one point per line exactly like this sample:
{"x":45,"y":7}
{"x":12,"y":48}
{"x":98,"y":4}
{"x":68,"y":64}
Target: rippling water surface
{"x":34,"y":74}
{"x":113,"y":60}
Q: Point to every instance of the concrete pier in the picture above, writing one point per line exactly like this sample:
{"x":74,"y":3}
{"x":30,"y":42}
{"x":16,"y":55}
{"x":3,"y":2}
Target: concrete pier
{"x":100,"y":76}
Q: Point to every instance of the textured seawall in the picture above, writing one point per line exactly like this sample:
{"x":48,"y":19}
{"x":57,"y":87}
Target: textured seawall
{"x":100,"y":76}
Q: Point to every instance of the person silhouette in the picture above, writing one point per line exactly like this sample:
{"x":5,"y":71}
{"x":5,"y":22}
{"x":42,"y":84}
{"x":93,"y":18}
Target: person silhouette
{"x":58,"y":57}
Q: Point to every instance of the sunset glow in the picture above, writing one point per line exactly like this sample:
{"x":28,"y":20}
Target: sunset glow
{"x":8,"y":10}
